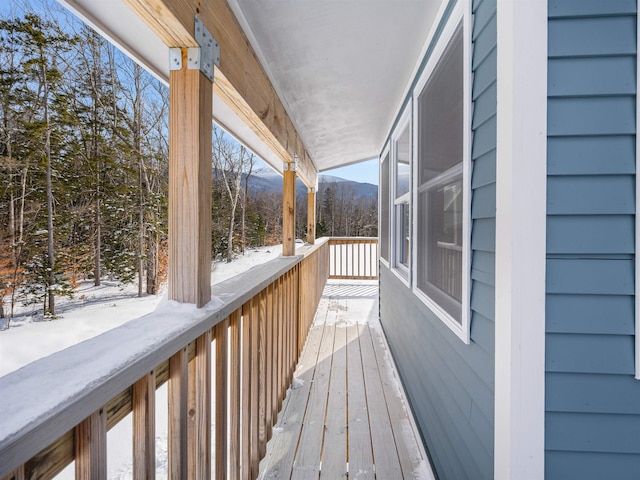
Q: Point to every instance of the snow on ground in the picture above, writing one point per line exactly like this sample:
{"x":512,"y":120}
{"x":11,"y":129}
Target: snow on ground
{"x":94,"y":310}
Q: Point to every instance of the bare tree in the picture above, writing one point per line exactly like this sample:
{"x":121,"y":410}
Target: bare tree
{"x":231,"y":160}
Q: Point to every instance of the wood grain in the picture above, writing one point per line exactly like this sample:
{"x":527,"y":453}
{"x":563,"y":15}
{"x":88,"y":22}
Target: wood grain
{"x":199,"y":431}
{"x":144,"y":428}
{"x":235,"y":375}
{"x":245,"y":432}
{"x":289,"y":212}
{"x":91,"y":447}
{"x":311,"y":216}
{"x":222,"y":365}
{"x":177,"y":448}
{"x":190,"y":112}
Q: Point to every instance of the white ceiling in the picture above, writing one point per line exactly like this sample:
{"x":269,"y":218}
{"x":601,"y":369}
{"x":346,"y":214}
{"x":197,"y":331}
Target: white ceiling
{"x":341,"y":67}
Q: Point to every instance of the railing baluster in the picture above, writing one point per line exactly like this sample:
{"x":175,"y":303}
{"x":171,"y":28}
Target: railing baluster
{"x":262,"y":374}
{"x":234,"y":395}
{"x":144,"y":427}
{"x":255,"y":417}
{"x":177,"y":447}
{"x":289,"y":320}
{"x":245,"y":426}
{"x":222,"y":342}
{"x":199,"y":414}
{"x":269,"y":359}
{"x":17,"y":474}
{"x":279,"y":334}
{"x":91,"y":447}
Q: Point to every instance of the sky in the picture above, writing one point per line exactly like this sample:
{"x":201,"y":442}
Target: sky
{"x":364,"y":172}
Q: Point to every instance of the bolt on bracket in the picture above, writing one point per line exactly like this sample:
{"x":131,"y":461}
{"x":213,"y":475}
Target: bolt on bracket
{"x":208,"y":54}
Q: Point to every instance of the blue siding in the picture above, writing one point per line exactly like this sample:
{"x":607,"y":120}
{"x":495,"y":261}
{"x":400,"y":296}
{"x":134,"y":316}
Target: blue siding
{"x":592,"y":401}
{"x":450,"y":385}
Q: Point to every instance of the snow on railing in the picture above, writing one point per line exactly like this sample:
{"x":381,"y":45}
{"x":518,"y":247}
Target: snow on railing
{"x":353,"y":258}
{"x":58,"y":409}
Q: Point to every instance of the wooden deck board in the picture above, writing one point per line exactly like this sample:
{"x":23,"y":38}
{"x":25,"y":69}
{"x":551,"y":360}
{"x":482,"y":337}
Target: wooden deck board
{"x":308,"y":456}
{"x":334,"y":451}
{"x":360,"y":452}
{"x":385,"y":456}
{"x":345,"y":416}
{"x":281,"y":450}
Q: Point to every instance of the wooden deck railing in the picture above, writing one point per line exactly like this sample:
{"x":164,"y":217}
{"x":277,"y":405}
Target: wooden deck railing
{"x":353,"y":258}
{"x":59,"y":409}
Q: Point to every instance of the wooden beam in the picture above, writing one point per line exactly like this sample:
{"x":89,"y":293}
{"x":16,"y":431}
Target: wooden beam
{"x":311,"y":216}
{"x":289,"y":211}
{"x":190,"y":111}
{"x":241,"y":81}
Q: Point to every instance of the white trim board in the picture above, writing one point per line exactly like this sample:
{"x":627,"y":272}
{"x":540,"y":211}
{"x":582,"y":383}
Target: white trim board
{"x":521,"y":180}
{"x":385,"y":261}
{"x":637,"y":245}
{"x":405,"y":123}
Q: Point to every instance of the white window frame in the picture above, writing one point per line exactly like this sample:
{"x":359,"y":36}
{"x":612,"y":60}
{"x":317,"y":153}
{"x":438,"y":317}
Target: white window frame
{"x":385,"y":152}
{"x":402,"y":271}
{"x":461,"y":15}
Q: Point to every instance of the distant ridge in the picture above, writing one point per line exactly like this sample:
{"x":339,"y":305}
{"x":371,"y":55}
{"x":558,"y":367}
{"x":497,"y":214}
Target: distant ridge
{"x":270,"y":181}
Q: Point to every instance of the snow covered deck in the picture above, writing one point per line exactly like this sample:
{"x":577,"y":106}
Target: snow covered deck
{"x":345,"y":414}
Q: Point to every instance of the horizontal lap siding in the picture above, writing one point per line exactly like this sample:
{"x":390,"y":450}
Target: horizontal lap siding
{"x":450,"y":385}
{"x":592,"y":400}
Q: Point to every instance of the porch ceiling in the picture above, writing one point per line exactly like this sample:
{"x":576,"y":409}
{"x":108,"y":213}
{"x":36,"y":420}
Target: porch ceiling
{"x":340,"y":67}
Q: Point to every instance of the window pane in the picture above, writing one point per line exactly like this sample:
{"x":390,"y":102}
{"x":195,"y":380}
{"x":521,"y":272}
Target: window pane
{"x":440,"y":192}
{"x":384,"y":208}
{"x":403,"y":168}
{"x":403,"y":231}
{"x":440,"y":114}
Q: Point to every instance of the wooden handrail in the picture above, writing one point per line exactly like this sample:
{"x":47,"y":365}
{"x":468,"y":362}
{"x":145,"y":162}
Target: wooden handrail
{"x":260,"y":317}
{"x":353,"y":258}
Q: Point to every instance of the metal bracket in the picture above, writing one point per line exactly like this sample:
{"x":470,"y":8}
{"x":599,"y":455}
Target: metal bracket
{"x":290,"y":166}
{"x":311,"y":190}
{"x":175,"y":59}
{"x":208,"y":54}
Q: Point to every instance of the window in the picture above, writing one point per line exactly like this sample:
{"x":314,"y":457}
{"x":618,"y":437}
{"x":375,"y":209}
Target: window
{"x":442,"y":192}
{"x":401,"y":154}
{"x":384,"y":206}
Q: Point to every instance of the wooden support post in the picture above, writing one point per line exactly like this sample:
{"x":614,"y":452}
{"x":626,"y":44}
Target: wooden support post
{"x":289,"y":210}
{"x":178,"y":415}
{"x":91,"y":447}
{"x":190,"y":117}
{"x":311,"y":216}
{"x":144,"y":428}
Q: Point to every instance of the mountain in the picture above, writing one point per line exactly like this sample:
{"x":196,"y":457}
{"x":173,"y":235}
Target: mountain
{"x":270,"y":181}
